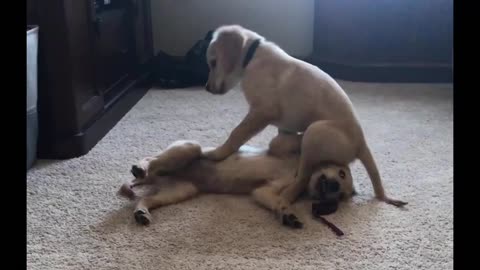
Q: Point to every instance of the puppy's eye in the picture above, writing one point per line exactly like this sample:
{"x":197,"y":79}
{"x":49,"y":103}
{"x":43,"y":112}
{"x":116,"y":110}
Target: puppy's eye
{"x":213,"y":63}
{"x":342,"y":174}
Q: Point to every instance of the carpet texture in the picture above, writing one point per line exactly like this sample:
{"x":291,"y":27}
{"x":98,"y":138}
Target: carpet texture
{"x":76,"y":221}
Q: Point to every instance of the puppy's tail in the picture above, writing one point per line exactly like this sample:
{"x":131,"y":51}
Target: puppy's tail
{"x":365,"y":156}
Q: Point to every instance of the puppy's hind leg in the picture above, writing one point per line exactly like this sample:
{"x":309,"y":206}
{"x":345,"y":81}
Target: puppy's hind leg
{"x":175,"y":157}
{"x":285,"y":144}
{"x":126,"y":190}
{"x":139,"y":170}
{"x":178,"y":191}
{"x":268,"y":197}
{"x":368,"y":162}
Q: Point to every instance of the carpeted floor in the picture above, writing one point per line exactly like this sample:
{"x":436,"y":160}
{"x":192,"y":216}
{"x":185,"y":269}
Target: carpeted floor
{"x":75,"y":220}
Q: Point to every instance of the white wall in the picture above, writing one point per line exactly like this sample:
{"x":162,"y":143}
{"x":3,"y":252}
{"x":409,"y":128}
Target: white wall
{"x":178,"y":24}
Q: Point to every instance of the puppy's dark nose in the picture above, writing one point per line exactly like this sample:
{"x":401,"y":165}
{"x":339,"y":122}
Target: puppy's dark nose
{"x":333,"y":186}
{"x":207,"y":87}
{"x":328,"y":186}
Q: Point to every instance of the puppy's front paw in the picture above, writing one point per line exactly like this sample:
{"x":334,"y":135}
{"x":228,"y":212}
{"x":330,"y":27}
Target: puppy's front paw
{"x":142,"y":216}
{"x":290,"y":220}
{"x":138,"y":172}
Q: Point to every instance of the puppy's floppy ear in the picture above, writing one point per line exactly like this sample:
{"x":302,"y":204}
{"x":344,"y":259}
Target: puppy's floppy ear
{"x":229,"y":46}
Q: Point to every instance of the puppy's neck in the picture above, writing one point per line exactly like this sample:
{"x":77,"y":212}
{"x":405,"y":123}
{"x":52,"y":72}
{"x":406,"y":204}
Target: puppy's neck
{"x":250,"y":52}
{"x":256,"y":47}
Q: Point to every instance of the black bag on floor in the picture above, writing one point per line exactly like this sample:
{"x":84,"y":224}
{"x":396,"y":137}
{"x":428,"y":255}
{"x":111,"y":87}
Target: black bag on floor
{"x":179,"y":72}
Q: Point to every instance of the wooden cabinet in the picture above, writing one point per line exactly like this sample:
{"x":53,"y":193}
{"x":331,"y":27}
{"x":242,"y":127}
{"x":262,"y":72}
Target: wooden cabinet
{"x":93,"y":56}
{"x":143,"y":31}
{"x":112,"y":43}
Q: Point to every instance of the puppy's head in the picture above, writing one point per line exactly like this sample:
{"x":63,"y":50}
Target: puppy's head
{"x":224,"y":58}
{"x":331,"y":183}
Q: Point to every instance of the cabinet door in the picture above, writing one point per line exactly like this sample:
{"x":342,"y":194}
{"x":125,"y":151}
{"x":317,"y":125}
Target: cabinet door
{"x":112,"y":41}
{"x":143,"y":30}
{"x":89,"y":101}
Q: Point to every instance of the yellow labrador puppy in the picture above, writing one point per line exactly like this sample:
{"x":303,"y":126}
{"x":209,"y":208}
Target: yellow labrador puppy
{"x":264,"y":173}
{"x":295,"y":97}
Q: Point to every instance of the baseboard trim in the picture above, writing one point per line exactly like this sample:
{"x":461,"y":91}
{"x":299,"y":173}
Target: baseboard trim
{"x":386,"y":72}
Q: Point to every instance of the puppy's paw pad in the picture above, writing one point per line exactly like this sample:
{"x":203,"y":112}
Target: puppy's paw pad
{"x":138,"y":172}
{"x":393,"y":202}
{"x":142,"y":217}
{"x":290,"y":220}
{"x":398,"y":203}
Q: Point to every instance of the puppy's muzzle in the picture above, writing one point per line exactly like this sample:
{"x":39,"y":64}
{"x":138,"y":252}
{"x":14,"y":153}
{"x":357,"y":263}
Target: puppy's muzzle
{"x":222,"y":90}
{"x":208,"y":88}
{"x":328,"y":187}
{"x":328,"y":197}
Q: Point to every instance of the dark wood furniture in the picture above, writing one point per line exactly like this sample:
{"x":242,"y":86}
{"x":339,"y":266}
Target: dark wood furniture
{"x":384,"y":41}
{"x":93,"y":67}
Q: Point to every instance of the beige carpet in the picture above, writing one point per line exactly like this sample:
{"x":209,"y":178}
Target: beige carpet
{"x":75,"y":220}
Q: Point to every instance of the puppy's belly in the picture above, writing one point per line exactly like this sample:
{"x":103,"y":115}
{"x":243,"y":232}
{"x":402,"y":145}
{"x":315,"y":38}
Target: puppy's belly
{"x":233,"y":175}
{"x":238,"y":174}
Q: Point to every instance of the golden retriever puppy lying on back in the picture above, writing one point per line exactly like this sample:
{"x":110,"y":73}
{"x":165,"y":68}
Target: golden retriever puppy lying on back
{"x":262,"y":173}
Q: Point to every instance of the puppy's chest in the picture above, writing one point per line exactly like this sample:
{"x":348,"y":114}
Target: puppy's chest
{"x":290,"y":113}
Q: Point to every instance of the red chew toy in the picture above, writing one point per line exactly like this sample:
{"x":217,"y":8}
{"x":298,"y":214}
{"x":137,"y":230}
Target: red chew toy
{"x":332,"y":226}
{"x":326,"y":208}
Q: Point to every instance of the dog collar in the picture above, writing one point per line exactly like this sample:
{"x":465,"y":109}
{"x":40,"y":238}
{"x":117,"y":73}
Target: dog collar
{"x":251,"y":51}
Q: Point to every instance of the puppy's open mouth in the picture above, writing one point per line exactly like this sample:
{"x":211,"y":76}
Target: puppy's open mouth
{"x":324,"y":207}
